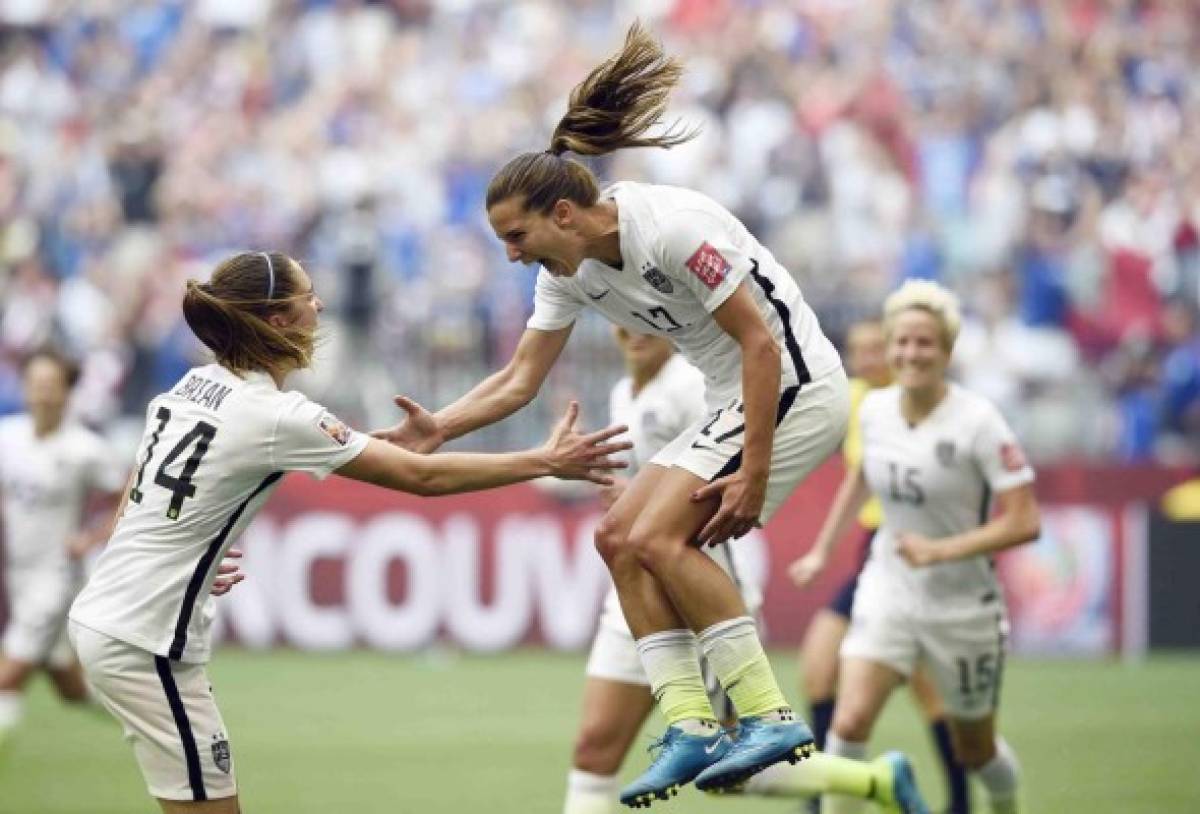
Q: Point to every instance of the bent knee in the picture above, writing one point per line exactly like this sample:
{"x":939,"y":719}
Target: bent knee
{"x":598,"y":750}
{"x":852,"y":722}
{"x":611,"y":539}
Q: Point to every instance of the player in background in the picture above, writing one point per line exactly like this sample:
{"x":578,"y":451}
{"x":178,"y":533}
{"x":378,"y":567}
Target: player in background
{"x":52,"y":471}
{"x":866,"y":358}
{"x":671,"y":262}
{"x":936,"y":456}
{"x":214,"y":448}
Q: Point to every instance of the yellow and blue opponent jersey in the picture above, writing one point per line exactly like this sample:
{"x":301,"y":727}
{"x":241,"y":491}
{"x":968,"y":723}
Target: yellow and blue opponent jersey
{"x":871,"y":515}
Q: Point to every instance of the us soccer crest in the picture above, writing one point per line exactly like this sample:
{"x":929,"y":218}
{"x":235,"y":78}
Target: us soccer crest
{"x":659,"y":280}
{"x":945,"y":452}
{"x":220,"y":752}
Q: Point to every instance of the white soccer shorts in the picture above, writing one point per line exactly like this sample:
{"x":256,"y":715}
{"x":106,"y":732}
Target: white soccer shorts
{"x":963,"y":648}
{"x":168,"y":713}
{"x":37,"y":627}
{"x":812,"y":426}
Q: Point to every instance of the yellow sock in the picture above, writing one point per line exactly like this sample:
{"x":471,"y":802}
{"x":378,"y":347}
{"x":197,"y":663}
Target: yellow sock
{"x":672,"y":664}
{"x":734,"y":652}
{"x":819,"y":774}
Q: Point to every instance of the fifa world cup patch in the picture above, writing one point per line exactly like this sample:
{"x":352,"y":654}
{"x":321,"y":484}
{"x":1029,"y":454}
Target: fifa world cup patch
{"x":220,"y":752}
{"x":334,"y":428}
{"x":1012,"y":457}
{"x":709,"y":265}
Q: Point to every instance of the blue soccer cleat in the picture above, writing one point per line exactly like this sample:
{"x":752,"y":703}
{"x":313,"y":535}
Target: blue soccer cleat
{"x":761,"y":743}
{"x":899,"y":785}
{"x":681,"y":758}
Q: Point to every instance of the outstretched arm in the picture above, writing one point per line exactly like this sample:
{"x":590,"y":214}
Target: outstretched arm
{"x":496,"y":397}
{"x":566,"y":454}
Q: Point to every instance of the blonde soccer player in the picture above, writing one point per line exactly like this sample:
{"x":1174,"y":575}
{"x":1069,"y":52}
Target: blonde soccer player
{"x":673,"y":263}
{"x":214,"y":447}
{"x":52,"y":469}
{"x":939,"y":458}
{"x":866,"y":358}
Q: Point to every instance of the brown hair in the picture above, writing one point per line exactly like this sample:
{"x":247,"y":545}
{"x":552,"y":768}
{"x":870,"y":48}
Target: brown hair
{"x":229,"y":313}
{"x":612,"y":108}
{"x":66,"y":364}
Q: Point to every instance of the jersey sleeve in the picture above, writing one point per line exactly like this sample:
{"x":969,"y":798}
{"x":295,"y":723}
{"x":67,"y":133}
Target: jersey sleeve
{"x":698,"y":251}
{"x":309,"y":438}
{"x":999,"y":454}
{"x":555,"y":306}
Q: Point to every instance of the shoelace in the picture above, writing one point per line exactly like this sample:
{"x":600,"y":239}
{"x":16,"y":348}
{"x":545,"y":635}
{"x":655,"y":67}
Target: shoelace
{"x":661,"y":743}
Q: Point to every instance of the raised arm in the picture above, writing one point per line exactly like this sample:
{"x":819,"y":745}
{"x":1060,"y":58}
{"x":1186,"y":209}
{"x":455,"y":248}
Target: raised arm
{"x":496,"y":397}
{"x":566,"y":454}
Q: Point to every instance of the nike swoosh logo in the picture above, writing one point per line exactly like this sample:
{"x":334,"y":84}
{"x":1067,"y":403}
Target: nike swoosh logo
{"x":708,"y":750}
{"x":599,"y":296}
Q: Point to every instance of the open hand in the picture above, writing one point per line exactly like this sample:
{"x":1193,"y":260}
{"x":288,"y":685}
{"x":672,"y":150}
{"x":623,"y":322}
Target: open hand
{"x":804,"y":570}
{"x":741,"y":503}
{"x":583,"y":457}
{"x":228,"y":573}
{"x":418,"y":432}
{"x":917,"y":549}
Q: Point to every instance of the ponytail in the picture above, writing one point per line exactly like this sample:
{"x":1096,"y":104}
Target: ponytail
{"x":612,"y":108}
{"x":229,"y":314}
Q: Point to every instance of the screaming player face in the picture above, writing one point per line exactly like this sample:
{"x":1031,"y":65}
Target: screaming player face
{"x":531,"y":237}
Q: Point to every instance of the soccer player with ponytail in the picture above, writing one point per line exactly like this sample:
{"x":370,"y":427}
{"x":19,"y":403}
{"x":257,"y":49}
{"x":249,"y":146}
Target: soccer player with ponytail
{"x":673,"y":263}
{"x":214,"y":447}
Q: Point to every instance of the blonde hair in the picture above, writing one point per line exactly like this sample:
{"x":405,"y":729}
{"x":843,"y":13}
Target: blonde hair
{"x":612,"y":108}
{"x":930,"y":297}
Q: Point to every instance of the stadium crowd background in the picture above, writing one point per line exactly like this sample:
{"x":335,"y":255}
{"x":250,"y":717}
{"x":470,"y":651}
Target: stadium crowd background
{"x":1038,"y":157}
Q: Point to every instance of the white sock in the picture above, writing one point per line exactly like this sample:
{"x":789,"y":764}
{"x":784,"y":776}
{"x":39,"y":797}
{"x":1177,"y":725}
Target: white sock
{"x":589,"y":793}
{"x":788,"y":780}
{"x":12,"y":707}
{"x":1001,"y":776}
{"x":672,"y":663}
{"x":837,"y":803}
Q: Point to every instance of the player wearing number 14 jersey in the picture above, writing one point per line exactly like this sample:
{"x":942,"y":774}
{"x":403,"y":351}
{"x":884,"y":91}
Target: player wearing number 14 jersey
{"x":214,"y":447}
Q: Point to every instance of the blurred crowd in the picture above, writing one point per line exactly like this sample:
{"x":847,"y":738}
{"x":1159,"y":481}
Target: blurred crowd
{"x":1031,"y":155}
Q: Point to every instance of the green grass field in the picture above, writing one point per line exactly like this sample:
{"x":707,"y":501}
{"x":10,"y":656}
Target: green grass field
{"x":371,"y":733}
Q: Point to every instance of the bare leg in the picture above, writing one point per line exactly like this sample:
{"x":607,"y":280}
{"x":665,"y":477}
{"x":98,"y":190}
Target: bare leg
{"x":663,"y":581}
{"x":69,"y":683}
{"x":929,"y":700}
{"x":863,"y":689}
{"x":990,"y":759}
{"x":613,"y":714}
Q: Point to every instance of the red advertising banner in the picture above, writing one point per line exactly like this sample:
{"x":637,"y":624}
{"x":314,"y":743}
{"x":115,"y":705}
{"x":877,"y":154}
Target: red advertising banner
{"x":339,"y":564}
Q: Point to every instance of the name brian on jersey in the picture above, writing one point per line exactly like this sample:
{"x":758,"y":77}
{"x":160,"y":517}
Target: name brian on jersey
{"x":202,"y":391}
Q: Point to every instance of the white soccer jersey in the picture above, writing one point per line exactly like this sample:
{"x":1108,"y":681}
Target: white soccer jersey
{"x":669,"y":403}
{"x":683,"y":255}
{"x":214,"y":448}
{"x":45,"y":483}
{"x":937,"y":479}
